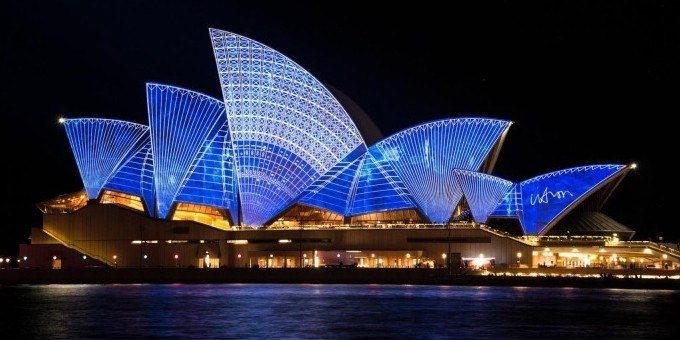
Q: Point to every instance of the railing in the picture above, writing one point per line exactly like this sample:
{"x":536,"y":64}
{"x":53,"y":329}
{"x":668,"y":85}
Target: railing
{"x":78,"y":249}
{"x":656,"y":246}
{"x":501,"y":233}
{"x":366,"y":226}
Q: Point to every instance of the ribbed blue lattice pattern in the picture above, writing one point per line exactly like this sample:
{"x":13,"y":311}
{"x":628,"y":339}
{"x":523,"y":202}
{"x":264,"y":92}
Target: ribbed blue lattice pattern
{"x":378,"y":189}
{"x":482,"y":191}
{"x":211,"y":179}
{"x":181,"y":121}
{"x":333,"y":190}
{"x":100,"y":146}
{"x":135,"y":176}
{"x":287,"y":128}
{"x":425,"y":156}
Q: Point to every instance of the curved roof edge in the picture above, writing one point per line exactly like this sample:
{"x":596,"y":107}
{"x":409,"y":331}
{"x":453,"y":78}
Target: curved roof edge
{"x":163,"y":87}
{"x":444,"y":121}
{"x":591,"y":223}
{"x":116,"y":121}
{"x":620,"y":171}
{"x":574,"y":169}
{"x":216,"y":31}
{"x":97,"y":165}
{"x":367,"y":128}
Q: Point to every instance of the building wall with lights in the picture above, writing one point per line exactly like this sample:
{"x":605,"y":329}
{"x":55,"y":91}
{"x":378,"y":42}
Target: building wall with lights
{"x":118,"y":236}
{"x":278,"y":150}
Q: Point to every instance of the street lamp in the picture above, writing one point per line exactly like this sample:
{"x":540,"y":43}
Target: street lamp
{"x":519,"y":257}
{"x":176,"y":258}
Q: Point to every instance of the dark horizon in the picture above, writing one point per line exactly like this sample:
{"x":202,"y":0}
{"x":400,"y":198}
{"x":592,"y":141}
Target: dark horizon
{"x":568,"y":74}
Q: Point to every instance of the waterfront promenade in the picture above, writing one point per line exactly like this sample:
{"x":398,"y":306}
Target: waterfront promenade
{"x":547,"y":277}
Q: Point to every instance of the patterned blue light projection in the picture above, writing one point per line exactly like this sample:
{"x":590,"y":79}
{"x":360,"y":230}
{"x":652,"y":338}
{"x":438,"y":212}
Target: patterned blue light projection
{"x":181,"y":122}
{"x":135,"y":176}
{"x":510,"y":205}
{"x":546,"y":198}
{"x":425,"y":156}
{"x":378,"y":189}
{"x":333,"y":190}
{"x":211,"y":179}
{"x":280,"y":138}
{"x":100,"y":146}
{"x":286,"y":127}
{"x":482,"y":191}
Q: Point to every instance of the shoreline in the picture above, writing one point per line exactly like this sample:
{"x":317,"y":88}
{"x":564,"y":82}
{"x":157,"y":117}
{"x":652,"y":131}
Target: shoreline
{"x":316,"y":276}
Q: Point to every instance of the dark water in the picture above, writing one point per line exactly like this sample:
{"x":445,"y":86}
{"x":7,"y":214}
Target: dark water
{"x":334,"y":311}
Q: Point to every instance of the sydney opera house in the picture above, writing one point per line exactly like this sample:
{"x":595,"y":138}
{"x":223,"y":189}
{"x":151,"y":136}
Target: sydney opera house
{"x":285,"y":171}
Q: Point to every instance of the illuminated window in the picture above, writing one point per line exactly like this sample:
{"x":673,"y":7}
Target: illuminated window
{"x":114,"y":197}
{"x":202,"y":214}
{"x":64,"y":203}
{"x":135,"y":176}
{"x":407,"y":216}
{"x":305,"y":215}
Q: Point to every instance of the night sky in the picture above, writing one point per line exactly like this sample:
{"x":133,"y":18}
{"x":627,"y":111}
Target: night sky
{"x":584,"y":83}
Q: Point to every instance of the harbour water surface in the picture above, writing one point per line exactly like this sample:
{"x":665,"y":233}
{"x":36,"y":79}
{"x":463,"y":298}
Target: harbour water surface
{"x":334,"y":311}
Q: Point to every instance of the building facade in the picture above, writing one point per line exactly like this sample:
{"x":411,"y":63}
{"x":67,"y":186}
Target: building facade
{"x":279,"y":173}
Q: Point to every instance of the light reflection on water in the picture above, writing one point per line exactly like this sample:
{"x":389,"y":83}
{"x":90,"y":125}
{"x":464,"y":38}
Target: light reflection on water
{"x":334,"y":311}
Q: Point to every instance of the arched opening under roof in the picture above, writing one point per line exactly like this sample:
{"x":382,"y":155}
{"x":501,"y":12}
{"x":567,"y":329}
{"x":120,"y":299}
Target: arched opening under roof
{"x":403,"y":216}
{"x":304,"y":215}
{"x":122,"y":199}
{"x":204,"y":214}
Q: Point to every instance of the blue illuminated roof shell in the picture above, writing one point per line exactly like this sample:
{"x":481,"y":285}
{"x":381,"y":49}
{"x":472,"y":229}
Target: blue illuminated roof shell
{"x":424,"y":157}
{"x":183,"y":125}
{"x":547,"y":198}
{"x":280,"y":138}
{"x":287,"y":129}
{"x":100,"y":147}
{"x":482,"y":191}
{"x":378,"y":188}
{"x":334,"y":190}
{"x":510,"y":205}
{"x":135,"y":175}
